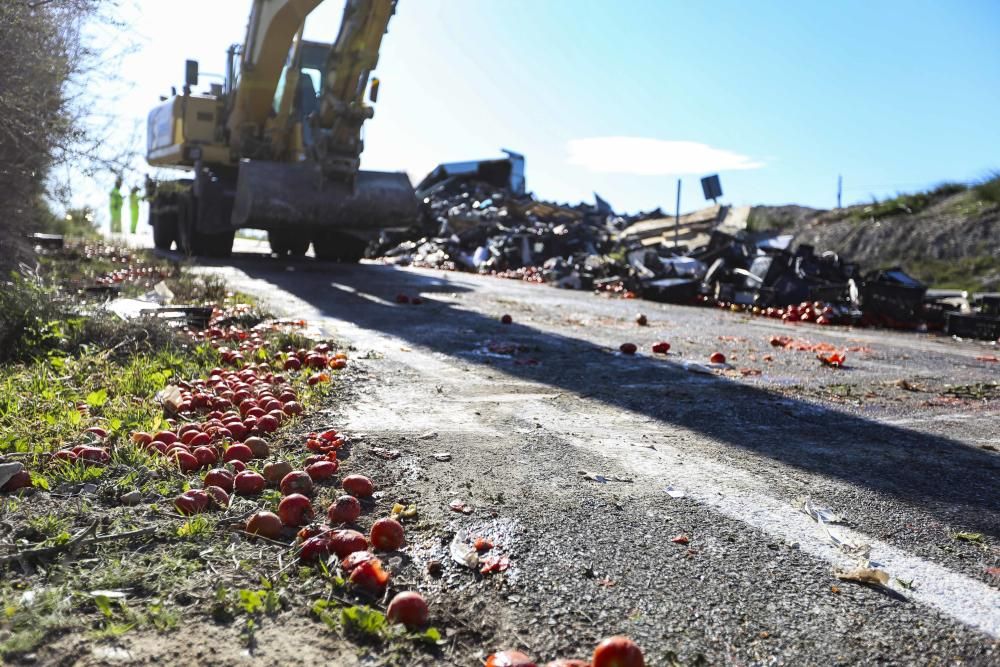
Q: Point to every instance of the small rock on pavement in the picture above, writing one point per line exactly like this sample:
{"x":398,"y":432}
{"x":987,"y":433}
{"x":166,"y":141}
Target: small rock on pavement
{"x":442,"y":456}
{"x":131,"y":498}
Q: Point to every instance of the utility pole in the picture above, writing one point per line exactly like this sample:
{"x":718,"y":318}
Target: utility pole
{"x":840,"y":188}
{"x":677,"y":219}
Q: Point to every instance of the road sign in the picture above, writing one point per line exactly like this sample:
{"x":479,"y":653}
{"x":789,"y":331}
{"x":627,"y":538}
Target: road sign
{"x":711,"y":186}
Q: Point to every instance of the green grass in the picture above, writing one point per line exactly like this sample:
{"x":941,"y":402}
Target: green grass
{"x":906,"y":204}
{"x":29,"y":616}
{"x":959,"y":274}
{"x":64,"y":372}
{"x":988,"y":190}
{"x":48,"y":403}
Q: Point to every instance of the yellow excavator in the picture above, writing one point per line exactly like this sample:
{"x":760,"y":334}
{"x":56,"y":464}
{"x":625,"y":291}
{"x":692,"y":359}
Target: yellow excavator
{"x":277,"y":146}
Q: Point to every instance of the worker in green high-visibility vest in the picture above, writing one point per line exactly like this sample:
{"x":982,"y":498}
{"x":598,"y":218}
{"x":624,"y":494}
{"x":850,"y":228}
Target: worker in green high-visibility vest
{"x":116,"y":207}
{"x":133,"y":208}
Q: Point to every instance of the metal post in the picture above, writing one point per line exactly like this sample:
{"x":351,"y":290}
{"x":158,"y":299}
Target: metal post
{"x":677,"y":220}
{"x":840,"y":188}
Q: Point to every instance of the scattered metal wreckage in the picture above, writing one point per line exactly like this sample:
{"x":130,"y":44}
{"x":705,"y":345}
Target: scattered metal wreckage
{"x":478,"y":216}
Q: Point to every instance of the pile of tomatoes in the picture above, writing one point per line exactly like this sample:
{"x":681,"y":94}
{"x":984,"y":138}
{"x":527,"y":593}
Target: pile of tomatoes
{"x":219,"y":431}
{"x":818,"y":312}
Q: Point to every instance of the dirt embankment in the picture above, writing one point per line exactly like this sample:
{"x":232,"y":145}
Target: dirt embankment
{"x":945,"y":238}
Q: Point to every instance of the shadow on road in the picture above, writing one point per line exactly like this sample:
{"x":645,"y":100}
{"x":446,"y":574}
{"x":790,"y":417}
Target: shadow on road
{"x":951,"y":480}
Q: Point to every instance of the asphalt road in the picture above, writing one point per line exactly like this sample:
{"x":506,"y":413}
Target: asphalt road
{"x":902,"y":444}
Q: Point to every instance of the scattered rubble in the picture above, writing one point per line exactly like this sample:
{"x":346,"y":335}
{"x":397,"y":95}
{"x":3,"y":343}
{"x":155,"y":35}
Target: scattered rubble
{"x":477,"y":216}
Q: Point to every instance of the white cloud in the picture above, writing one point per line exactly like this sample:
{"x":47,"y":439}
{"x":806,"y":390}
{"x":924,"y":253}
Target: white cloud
{"x":653,"y":157}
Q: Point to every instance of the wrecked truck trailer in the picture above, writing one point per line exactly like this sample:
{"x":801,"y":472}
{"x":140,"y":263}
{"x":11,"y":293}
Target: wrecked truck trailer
{"x":477,"y":216}
{"x":502,"y":173}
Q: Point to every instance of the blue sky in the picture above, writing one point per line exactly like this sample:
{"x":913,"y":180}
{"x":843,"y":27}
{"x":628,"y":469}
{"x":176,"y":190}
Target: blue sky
{"x":621,"y":98}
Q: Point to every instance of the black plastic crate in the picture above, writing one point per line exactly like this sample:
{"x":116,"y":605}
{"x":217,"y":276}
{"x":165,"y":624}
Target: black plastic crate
{"x":972,"y":326}
{"x":892,"y":294}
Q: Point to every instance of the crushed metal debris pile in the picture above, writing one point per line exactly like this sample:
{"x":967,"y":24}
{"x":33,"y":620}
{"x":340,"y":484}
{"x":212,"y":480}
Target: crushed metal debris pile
{"x":477,"y":216}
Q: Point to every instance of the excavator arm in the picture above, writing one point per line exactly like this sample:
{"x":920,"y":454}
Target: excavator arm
{"x":275,"y":26}
{"x":272,"y":27}
{"x":351,"y":60}
{"x":327,"y":189}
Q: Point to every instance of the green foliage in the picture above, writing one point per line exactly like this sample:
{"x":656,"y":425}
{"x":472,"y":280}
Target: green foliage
{"x":162,"y":617}
{"x":31,"y":616}
{"x":264,"y":601}
{"x":368,"y":623}
{"x":964,"y":273}
{"x":39,"y":402}
{"x":196,"y":527}
{"x":988,"y":190}
{"x":49,"y":525}
{"x":363,"y":619}
{"x":907,"y":204}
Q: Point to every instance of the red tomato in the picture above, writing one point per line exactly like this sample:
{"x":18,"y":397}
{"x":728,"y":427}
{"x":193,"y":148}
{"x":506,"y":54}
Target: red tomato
{"x":275,"y":471}
{"x":217,"y":497}
{"x":314,"y":548}
{"x":93,"y":454}
{"x":509,"y":659}
{"x":370,"y":576}
{"x":194,"y":501}
{"x":20,"y":480}
{"x":267,"y":423}
{"x":345,"y":542}
{"x":506,"y":319}
{"x":344,"y":509}
{"x":321,"y":470}
{"x":166,"y":437}
{"x":258,"y":447}
{"x":387,"y":534}
{"x":661,"y":348}
{"x":237,"y":452}
{"x":142,"y":438}
{"x":295,"y":510}
{"x":355,"y":559}
{"x":408,"y":608}
{"x":266,"y":524}
{"x":207,"y":456}
{"x":563,"y":662}
{"x":297,"y":481}
{"x":249,"y":483}
{"x":358,"y":485}
{"x":627,"y":348}
{"x":221,"y":478}
{"x":185,"y":460}
{"x":617,"y":652}
{"x":717,"y":358}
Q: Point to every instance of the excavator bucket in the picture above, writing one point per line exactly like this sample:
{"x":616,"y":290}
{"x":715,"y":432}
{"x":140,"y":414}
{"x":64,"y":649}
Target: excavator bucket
{"x":274,"y":195}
